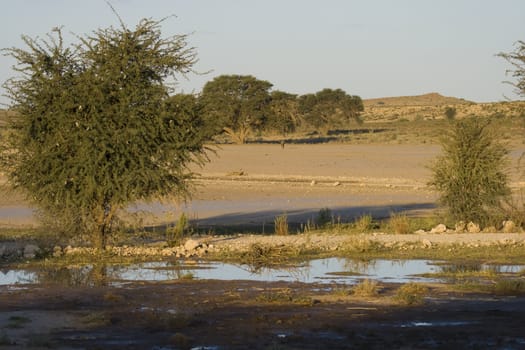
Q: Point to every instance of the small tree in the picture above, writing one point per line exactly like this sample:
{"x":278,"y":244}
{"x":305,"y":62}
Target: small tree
{"x":517,"y":60}
{"x":470,"y":174}
{"x":450,"y":113}
{"x":97,"y":128}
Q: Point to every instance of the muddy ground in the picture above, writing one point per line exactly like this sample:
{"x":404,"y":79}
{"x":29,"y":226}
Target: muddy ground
{"x":253,"y":315}
{"x":250,"y":185}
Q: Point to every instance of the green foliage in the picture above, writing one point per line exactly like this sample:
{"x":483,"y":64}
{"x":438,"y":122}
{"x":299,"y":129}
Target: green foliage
{"x":517,"y":60}
{"x":284,"y":115}
{"x":97,"y":128}
{"x":470,"y":175}
{"x":237,"y":104}
{"x":330,"y":107}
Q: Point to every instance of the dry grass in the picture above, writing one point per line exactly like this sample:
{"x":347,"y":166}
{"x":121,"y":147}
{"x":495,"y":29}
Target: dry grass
{"x":399,"y":224}
{"x":281,"y":225}
{"x":367,"y":288}
{"x":411,"y":293}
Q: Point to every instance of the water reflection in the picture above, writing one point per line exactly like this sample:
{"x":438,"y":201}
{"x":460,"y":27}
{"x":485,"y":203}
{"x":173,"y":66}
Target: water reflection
{"x":330,"y":270}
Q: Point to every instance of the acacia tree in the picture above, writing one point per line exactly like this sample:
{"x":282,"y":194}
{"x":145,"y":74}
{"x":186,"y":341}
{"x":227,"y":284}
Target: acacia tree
{"x":284,"y":116}
{"x":469,"y":175}
{"x":517,"y":60}
{"x":97,"y":128}
{"x":236,"y":104}
{"x":330,"y":107}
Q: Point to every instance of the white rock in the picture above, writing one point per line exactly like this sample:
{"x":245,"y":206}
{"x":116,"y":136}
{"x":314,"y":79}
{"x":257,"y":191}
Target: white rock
{"x":191,"y":245}
{"x":473,"y":228}
{"x":509,"y":226}
{"x":441,"y":228}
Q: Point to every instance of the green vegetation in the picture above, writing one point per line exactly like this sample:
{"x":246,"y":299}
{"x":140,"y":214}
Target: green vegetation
{"x":236,"y":104}
{"x":470,"y":175}
{"x":96,"y":128}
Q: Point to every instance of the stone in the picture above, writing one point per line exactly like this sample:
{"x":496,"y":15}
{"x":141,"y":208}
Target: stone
{"x":337,"y":183}
{"x":30,"y":251}
{"x":509,"y":226}
{"x":441,"y":228}
{"x":473,"y":227}
{"x":427,"y":243}
{"x":191,"y":245}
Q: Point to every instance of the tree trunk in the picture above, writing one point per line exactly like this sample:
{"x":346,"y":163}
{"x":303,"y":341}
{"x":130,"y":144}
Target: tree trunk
{"x":103,"y":226}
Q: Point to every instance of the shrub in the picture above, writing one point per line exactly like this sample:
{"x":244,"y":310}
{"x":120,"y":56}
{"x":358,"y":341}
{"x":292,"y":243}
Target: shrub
{"x":324,"y":217}
{"x":470,"y":176}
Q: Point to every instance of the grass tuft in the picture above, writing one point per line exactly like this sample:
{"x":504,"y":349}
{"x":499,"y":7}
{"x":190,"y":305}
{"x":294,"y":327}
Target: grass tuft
{"x":411,"y":294}
{"x":281,"y":225}
{"x":367,"y":288}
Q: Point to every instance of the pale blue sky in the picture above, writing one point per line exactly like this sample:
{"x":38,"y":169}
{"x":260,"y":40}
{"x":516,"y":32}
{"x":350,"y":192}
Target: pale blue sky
{"x":373,"y":48}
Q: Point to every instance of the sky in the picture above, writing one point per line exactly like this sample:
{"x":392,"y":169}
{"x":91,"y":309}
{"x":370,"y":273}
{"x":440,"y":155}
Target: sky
{"x":369,"y":48}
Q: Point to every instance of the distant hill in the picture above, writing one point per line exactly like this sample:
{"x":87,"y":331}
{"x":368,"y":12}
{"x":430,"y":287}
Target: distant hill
{"x":430,"y":99}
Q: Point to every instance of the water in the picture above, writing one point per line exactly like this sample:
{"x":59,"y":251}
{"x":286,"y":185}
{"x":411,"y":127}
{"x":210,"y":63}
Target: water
{"x":325,"y":271}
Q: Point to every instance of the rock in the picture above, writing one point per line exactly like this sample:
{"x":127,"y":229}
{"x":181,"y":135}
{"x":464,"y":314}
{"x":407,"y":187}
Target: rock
{"x":473,"y":228}
{"x":509,"y":226}
{"x":427,"y":243}
{"x":313,"y":183}
{"x":337,"y":183}
{"x":30,"y":251}
{"x":420,"y":232}
{"x":191,"y":245}
{"x":460,"y":226}
{"x":441,"y":228}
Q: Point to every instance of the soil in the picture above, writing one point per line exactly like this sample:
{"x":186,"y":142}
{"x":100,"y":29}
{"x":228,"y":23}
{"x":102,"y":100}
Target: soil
{"x":251,"y":184}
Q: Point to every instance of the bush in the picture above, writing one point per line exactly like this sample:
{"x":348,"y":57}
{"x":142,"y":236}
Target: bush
{"x":470,"y":175}
{"x":367,"y":288}
{"x":324,"y":217}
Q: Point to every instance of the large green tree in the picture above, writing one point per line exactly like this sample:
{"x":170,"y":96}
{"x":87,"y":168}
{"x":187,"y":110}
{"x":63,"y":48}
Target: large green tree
{"x":236,"y":104}
{"x":97,"y":128}
{"x":330,"y":107}
{"x":284,"y":116}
